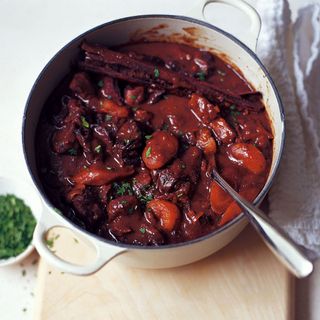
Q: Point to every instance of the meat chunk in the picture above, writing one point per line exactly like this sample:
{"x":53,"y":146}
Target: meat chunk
{"x":203,"y":109}
{"x":81,"y":85}
{"x":167,"y":178}
{"x":110,"y":90}
{"x":192,"y":159}
{"x":122,"y":206}
{"x":133,"y":96}
{"x":129,"y":132}
{"x":223,"y":131}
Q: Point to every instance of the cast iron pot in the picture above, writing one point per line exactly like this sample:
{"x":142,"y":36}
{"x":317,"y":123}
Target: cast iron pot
{"x":117,"y":32}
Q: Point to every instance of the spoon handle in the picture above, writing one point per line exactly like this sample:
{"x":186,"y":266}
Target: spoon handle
{"x":279,"y":243}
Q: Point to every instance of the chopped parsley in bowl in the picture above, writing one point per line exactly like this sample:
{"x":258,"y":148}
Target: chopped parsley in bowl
{"x":17,"y":224}
{"x":20,"y":206}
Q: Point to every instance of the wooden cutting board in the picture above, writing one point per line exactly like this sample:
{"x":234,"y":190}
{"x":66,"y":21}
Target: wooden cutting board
{"x":242,"y":281}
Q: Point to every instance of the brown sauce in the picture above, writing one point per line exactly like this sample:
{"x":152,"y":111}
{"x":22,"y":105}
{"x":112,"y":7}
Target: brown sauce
{"x":126,"y":143}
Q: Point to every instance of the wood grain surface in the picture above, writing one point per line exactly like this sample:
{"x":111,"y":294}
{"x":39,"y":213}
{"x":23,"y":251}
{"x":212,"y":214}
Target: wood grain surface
{"x":241,"y":281}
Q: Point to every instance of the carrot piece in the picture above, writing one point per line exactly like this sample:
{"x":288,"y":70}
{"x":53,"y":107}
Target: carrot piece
{"x":160,"y":149}
{"x":100,"y":176}
{"x":247,"y":156}
{"x":219,"y":199}
{"x":233,"y":209}
{"x":113,"y":109}
{"x":167,"y":212}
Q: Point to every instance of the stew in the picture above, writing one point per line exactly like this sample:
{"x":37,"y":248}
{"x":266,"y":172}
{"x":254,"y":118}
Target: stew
{"x":126,"y":143}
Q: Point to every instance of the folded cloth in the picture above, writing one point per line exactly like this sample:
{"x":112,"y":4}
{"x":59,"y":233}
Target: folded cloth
{"x":291,"y":53}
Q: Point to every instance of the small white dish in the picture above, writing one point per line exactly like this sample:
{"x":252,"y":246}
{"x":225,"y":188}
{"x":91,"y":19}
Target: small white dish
{"x":31,"y":198}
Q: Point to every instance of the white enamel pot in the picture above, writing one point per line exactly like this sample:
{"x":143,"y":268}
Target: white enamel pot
{"x":118,"y":32}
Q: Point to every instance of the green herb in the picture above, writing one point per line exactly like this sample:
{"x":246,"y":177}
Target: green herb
{"x":221,"y":73}
{"x":135,"y":109}
{"x":165,"y":127}
{"x":145,"y":198}
{"x":233,"y":107}
{"x":108,"y":117}
{"x":130,"y":210}
{"x":50,"y":243}
{"x":72,"y":152}
{"x":142,"y":230}
{"x":84,"y":122}
{"x":201,"y":75}
{"x":156,"y":72}
{"x":75,"y":240}
{"x":123,"y":188}
{"x":234,"y":114}
{"x":148,"y":136}
{"x":109,"y":97}
{"x":97,"y":149}
{"x":148,"y":152}
{"x":24,"y":309}
{"x":133,"y":97}
{"x":100,"y":83}
{"x":24,"y":272}
{"x":123,"y":202}
{"x":16,"y":226}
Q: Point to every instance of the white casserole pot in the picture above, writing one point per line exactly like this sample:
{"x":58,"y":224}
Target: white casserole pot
{"x":118,"y":32}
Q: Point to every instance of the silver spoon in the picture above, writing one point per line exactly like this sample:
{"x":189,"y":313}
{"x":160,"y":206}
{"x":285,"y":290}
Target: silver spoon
{"x":279,"y":243}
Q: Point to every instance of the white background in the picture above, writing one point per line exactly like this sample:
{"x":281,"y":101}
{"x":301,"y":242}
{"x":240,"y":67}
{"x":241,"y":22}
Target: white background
{"x":30,"y":33}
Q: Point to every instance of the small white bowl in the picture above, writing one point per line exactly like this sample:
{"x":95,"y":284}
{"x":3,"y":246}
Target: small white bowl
{"x":31,"y":198}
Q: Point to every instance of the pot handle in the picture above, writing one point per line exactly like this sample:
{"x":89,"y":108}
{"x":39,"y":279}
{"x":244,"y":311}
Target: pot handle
{"x":103,"y":254}
{"x":251,"y":37}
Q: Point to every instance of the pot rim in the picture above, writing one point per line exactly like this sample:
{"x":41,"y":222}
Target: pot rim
{"x":180,"y":244}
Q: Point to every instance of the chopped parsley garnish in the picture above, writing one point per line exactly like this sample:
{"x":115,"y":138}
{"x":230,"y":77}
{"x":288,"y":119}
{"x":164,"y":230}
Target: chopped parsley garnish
{"x":16,"y":226}
{"x":84,"y":122}
{"x":133,"y":97}
{"x":142,"y":230}
{"x":75,"y":240}
{"x":24,"y":272}
{"x":100,"y":83}
{"x":50,"y":243}
{"x":122,"y":188}
{"x":233,"y":107}
{"x":234,"y":115}
{"x":156,"y":72}
{"x":145,"y":198}
{"x":124,"y":202}
{"x":72,"y":152}
{"x":148,"y":136}
{"x":165,"y":127}
{"x":148,"y":152}
{"x":108,"y":117}
{"x":201,"y":76}
{"x":97,"y":149}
